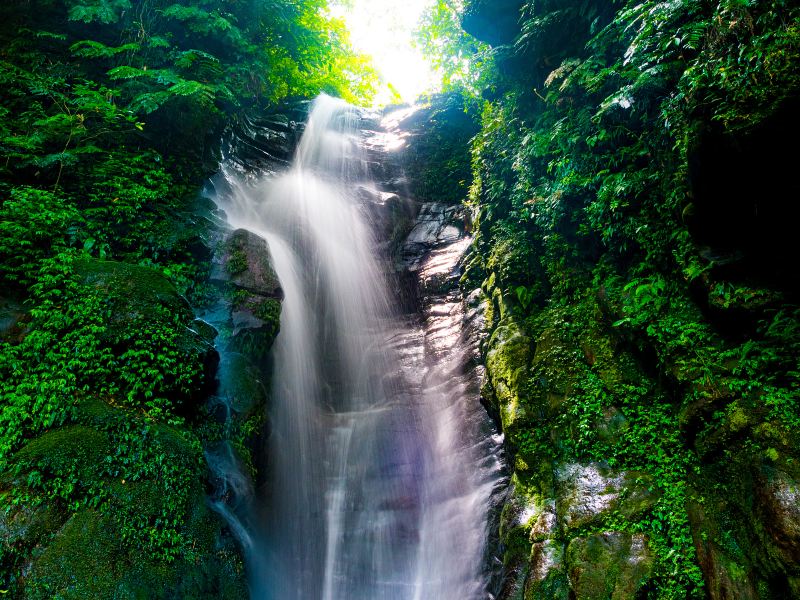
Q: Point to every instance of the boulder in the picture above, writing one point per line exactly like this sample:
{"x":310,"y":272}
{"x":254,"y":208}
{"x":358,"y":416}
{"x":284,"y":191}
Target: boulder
{"x":242,"y":265}
{"x":586,"y":493}
{"x":548,"y":576}
{"x":778,"y":498}
{"x":608,"y":565}
{"x":245,"y":261}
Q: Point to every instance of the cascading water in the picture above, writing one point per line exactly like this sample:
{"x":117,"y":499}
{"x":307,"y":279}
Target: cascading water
{"x":380,"y":471}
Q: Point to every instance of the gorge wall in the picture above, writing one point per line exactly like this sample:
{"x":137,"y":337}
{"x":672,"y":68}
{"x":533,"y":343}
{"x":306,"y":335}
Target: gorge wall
{"x":633,"y":219}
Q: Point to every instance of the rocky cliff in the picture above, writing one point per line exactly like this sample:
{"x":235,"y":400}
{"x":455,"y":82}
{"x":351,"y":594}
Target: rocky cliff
{"x":633,"y":245}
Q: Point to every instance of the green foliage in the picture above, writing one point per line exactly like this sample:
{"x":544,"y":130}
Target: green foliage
{"x":439,"y":152}
{"x":34,"y":224}
{"x":582,"y":187}
{"x":110,"y":120}
{"x":460,"y":60}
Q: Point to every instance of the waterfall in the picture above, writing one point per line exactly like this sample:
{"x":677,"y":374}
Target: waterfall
{"x":381,"y":466}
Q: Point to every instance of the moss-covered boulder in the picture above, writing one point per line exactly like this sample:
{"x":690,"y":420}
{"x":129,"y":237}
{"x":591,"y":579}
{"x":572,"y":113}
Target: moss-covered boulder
{"x":245,"y":261}
{"x":243,"y":270}
{"x":103,"y":528}
{"x":608,"y":566}
{"x":149,"y":327}
{"x":87,"y":559}
{"x":585,"y":493}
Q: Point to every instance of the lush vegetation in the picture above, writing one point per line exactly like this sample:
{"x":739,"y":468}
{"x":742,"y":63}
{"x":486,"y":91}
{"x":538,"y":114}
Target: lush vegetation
{"x":111,"y":117}
{"x":633,"y":239}
{"x":643,"y":305}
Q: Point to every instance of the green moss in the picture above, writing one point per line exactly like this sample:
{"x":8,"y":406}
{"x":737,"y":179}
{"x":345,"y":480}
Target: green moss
{"x":142,"y":288}
{"x":83,"y":561}
{"x":76,"y":449}
{"x":507,"y":364}
{"x":88,"y":560}
{"x":269,"y":311}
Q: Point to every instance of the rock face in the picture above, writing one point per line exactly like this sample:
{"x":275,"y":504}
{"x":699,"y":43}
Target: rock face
{"x":610,"y":564}
{"x":436,"y":225}
{"x":778,"y":497}
{"x":647,"y":387}
{"x":585,"y":493}
{"x":245,"y":311}
{"x":242,"y":268}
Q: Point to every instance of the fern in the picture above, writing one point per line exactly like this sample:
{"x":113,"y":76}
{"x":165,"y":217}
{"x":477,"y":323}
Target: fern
{"x":127,"y":72}
{"x":99,"y":11}
{"x":93,"y":49}
{"x":149,"y":102}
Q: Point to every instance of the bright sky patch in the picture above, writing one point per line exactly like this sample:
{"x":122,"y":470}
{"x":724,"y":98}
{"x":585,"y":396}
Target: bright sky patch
{"x":384,"y":29}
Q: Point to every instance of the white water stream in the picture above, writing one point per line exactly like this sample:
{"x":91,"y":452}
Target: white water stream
{"x":381,"y":463}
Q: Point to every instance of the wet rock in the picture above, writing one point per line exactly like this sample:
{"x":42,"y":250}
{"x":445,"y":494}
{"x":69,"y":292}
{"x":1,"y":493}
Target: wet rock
{"x":440,"y":271}
{"x":391,"y":215}
{"x":436,"y":225}
{"x":240,"y":383}
{"x":259,"y":143}
{"x":726,"y":578}
{"x":249,"y":316}
{"x":607,"y":565}
{"x":587,"y":492}
{"x":518,"y":510}
{"x":545,"y":525}
{"x":547,"y":578}
{"x":778,"y":497}
{"x":507,"y":362}
{"x":245,"y":261}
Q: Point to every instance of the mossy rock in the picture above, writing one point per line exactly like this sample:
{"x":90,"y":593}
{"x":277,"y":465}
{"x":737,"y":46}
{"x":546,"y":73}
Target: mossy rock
{"x":24,"y":530}
{"x":241,"y":384}
{"x":245,"y":261}
{"x":146,"y":313}
{"x":547,"y":579}
{"x":515,"y":522}
{"x":507,"y":365}
{"x":725,"y":567}
{"x":83,"y":561}
{"x":134,"y":291}
{"x":610,"y":565}
{"x":75,"y":449}
{"x":588,"y":493}
{"x":87,"y":560}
